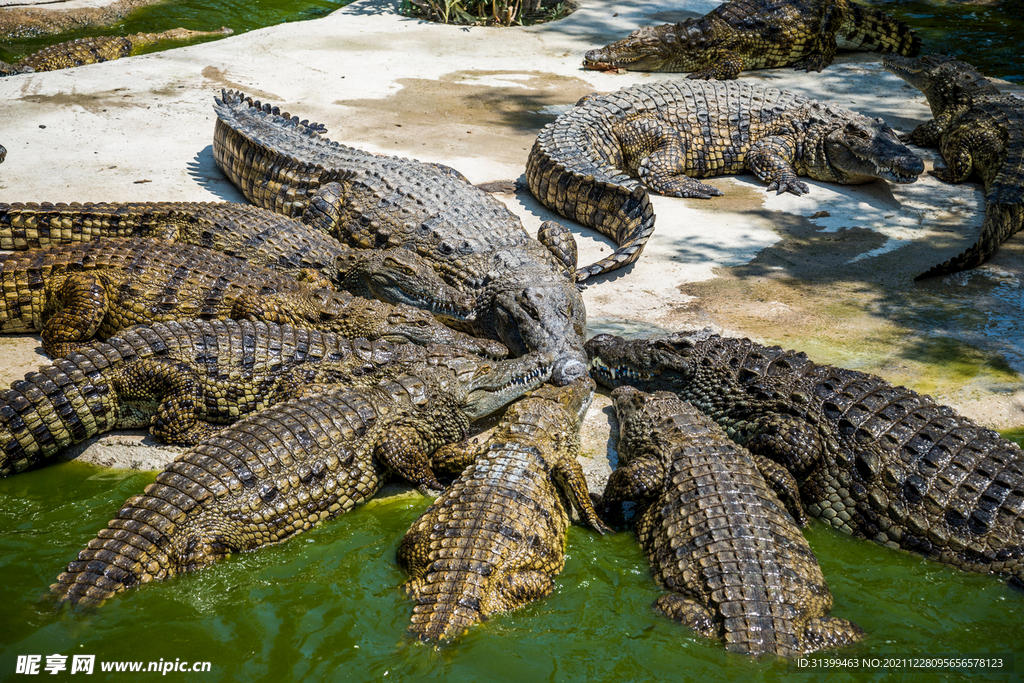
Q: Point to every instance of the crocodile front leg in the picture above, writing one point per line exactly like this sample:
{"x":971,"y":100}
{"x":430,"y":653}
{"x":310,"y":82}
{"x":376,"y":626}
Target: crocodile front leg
{"x":725,"y":65}
{"x":960,"y":148}
{"x":771,"y":160}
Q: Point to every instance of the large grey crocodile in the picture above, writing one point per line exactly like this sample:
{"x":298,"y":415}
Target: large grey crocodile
{"x":757,"y":34}
{"x":185,"y":380}
{"x":871,"y":459}
{"x":736,"y":565}
{"x":524,"y":293}
{"x":73,"y":292}
{"x":593,"y":163}
{"x":979,"y":130}
{"x":495,"y":540}
{"x":280,"y":472}
{"x":259,"y":236}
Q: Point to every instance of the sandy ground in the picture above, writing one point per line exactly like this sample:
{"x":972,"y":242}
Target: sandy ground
{"x":829,"y":272}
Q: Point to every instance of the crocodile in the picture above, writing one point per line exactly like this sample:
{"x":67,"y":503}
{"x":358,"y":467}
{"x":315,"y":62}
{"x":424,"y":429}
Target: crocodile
{"x":495,"y":539}
{"x":757,"y":34}
{"x":248,"y":232}
{"x":525,"y":293}
{"x":97,"y":49}
{"x":278,"y":473}
{"x":871,"y":459}
{"x":3,"y":153}
{"x":73,"y":292}
{"x":185,"y":380}
{"x":735,"y":563}
{"x":586,"y":164}
{"x":978,"y":130}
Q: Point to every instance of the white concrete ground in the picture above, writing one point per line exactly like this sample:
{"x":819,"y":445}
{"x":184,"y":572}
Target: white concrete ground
{"x":829,"y":272}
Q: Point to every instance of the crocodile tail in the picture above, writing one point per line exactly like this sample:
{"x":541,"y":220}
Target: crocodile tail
{"x":244,"y":146}
{"x":128,"y":552}
{"x":448,"y":600}
{"x":1001,"y":221}
{"x":605,"y":199}
{"x":34,"y":226}
{"x":62,"y":404}
{"x":871,"y":30}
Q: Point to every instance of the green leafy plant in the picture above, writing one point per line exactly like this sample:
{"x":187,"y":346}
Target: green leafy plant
{"x":487,"y":12}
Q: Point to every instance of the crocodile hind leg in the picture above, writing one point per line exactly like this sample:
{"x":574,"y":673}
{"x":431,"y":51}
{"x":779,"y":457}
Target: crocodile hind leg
{"x":81,"y":304}
{"x":825,"y":47}
{"x":560,"y":242}
{"x":784,"y":485}
{"x":176,"y":386}
{"x":725,"y":65}
{"x":688,"y":612}
{"x":652,"y":147}
{"x":830,"y":633}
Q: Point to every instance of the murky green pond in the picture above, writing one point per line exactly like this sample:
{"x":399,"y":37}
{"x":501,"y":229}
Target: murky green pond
{"x":327,"y":606}
{"x":986,"y":34}
{"x":198,"y":15}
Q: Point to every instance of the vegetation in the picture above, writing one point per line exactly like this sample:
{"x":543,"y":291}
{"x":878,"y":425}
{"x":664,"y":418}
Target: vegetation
{"x":488,"y":12}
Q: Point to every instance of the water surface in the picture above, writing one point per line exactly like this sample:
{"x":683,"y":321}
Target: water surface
{"x":327,"y":605}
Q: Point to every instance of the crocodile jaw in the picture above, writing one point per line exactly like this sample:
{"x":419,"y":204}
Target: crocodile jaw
{"x":865,"y":149}
{"x":496,"y":386}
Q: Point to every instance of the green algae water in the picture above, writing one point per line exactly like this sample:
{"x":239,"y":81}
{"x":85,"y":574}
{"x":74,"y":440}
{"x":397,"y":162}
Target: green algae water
{"x":240,"y":16}
{"x":327,"y":606}
{"x":986,"y":34}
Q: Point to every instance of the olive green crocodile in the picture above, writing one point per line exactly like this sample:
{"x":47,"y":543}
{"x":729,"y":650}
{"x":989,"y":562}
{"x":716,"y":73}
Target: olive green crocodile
{"x":524,"y":290}
{"x":495,"y":540}
{"x":185,"y":380}
{"x":980,"y":131}
{"x":735,"y":563}
{"x":757,"y":34}
{"x":97,"y":49}
{"x":71,"y":293}
{"x":280,"y":472}
{"x":587,"y":163}
{"x":248,"y":232}
{"x":871,"y":459}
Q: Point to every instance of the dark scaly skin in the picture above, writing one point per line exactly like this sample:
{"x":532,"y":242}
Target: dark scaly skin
{"x":72,"y":293}
{"x":280,"y":472}
{"x":587,"y":163}
{"x":979,"y":131}
{"x":3,"y":153}
{"x":97,"y":49}
{"x":736,"y":564}
{"x":495,"y":540}
{"x":872,"y":459}
{"x":185,"y":380}
{"x":248,"y":232}
{"x":525,"y":296}
{"x":757,"y":34}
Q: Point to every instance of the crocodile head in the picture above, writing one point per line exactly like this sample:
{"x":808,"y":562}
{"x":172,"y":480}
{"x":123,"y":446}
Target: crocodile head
{"x":942,"y":79}
{"x":403,"y":277}
{"x":649,"y":364}
{"x":547,"y":317}
{"x":859,"y":150}
{"x":650,"y":48}
{"x":392,"y":322}
{"x":486,"y":386}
